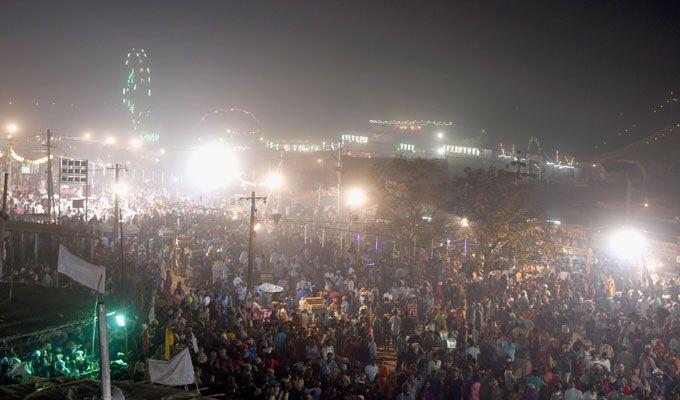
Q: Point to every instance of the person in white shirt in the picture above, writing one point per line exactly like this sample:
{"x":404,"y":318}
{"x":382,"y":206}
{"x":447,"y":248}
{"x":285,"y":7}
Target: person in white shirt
{"x":572,"y":393}
{"x":372,"y":370}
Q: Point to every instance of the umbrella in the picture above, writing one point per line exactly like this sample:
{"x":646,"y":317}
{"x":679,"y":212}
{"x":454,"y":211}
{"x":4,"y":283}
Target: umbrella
{"x":270,"y":288}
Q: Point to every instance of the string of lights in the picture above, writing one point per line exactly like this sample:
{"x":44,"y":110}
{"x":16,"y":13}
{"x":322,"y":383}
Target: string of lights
{"x":632,"y":128}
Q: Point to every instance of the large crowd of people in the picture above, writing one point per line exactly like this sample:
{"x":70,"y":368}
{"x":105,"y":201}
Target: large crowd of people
{"x":404,"y":326}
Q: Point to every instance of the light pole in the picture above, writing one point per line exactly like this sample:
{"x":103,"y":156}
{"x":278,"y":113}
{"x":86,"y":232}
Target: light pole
{"x":464,"y":223}
{"x":356,"y":198}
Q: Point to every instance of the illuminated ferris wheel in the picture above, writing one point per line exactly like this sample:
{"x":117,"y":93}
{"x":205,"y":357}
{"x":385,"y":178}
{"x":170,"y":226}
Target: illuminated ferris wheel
{"x":137,"y":93}
{"x":233,"y":123}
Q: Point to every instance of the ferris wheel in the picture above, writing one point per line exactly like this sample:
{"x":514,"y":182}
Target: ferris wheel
{"x":137,"y":91}
{"x":233,"y":121}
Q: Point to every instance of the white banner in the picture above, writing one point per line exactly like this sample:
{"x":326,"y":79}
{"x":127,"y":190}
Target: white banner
{"x":178,"y":371}
{"x":81,"y":271}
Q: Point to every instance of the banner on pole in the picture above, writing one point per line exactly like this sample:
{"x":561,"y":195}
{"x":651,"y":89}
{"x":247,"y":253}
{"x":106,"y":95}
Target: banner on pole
{"x":178,"y":371}
{"x":81,"y":271}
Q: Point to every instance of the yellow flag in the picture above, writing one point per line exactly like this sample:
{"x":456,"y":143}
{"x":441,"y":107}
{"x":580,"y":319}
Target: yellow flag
{"x":169,"y":340}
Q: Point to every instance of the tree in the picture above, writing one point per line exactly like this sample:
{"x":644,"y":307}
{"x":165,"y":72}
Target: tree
{"x":504,"y":226}
{"x":410,"y":203}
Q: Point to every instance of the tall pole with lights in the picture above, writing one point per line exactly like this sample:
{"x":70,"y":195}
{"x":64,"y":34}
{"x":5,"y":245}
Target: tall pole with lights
{"x":251,"y":238}
{"x":50,"y":183}
{"x":117,"y":220}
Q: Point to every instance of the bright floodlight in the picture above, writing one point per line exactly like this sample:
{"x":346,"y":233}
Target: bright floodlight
{"x":12,"y":128}
{"x":627,"y":244}
{"x":120,"y":188}
{"x":213,"y":167}
{"x":135,"y":143}
{"x":120,"y":320}
{"x":274,"y":180}
{"x":464,"y":222}
{"x":110,"y":140}
{"x":356,"y":197}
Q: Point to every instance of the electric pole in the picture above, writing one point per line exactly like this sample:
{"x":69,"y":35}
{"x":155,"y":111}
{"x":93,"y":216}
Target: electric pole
{"x":252,"y":199}
{"x":117,"y":220}
{"x":339,"y":167}
{"x":50,"y":183}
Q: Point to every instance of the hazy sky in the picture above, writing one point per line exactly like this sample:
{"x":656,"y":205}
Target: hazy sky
{"x":561,"y":71}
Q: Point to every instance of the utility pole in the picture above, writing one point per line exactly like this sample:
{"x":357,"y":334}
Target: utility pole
{"x":339,"y":167}
{"x":50,"y":183}
{"x":628,"y":197}
{"x":251,"y":238}
{"x":117,"y":220}
{"x":278,"y":189}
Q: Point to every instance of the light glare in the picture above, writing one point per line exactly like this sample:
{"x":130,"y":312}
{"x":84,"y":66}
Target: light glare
{"x":356,"y":197}
{"x":274,"y":180}
{"x":213,"y":167}
{"x":627,"y":244}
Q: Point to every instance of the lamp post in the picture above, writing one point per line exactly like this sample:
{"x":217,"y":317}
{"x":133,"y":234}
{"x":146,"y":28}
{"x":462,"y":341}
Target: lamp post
{"x":356,"y":197}
{"x":629,"y":246}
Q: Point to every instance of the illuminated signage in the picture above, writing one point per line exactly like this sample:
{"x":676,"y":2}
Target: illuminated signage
{"x":470,"y":151}
{"x":407,"y":147}
{"x":354,"y":139}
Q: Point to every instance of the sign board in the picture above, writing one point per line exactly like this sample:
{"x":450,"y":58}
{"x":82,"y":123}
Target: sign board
{"x":73,"y":171}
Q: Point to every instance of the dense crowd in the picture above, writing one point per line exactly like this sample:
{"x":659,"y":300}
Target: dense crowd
{"x":407,"y":327}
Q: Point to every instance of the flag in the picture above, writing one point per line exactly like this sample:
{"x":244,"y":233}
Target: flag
{"x":178,"y":371}
{"x":152,"y":310}
{"x":81,"y":271}
{"x":169,"y":340}
{"x":194,"y":343}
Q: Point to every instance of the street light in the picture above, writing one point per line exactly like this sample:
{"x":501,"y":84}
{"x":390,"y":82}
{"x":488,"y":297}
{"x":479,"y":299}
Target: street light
{"x":213,"y":166}
{"x":274,"y":180}
{"x":356,"y":197}
{"x":120,"y":188}
{"x":12,"y":128}
{"x":87,"y":135}
{"x":627,"y":244}
{"x":135,"y":143}
{"x":111,"y":140}
{"x":464,"y":222}
{"x":440,"y":135}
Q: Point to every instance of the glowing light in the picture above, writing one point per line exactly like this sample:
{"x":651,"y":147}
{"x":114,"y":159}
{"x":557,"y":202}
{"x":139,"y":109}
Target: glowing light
{"x":257,"y":227}
{"x":162,"y":151}
{"x":87,"y":135}
{"x":213,"y":167}
{"x":12,"y":128}
{"x":274,"y":180}
{"x":628,"y":244}
{"x":111,"y":140}
{"x":440,"y":135}
{"x":646,"y":205}
{"x":464,"y":222}
{"x":319,"y":160}
{"x":135,"y":143}
{"x":356,"y":197}
{"x":120,"y":320}
{"x":120,"y":188}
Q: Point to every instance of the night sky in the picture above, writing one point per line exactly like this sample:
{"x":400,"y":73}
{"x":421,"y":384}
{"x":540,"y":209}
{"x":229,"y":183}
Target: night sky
{"x":571,"y":73}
